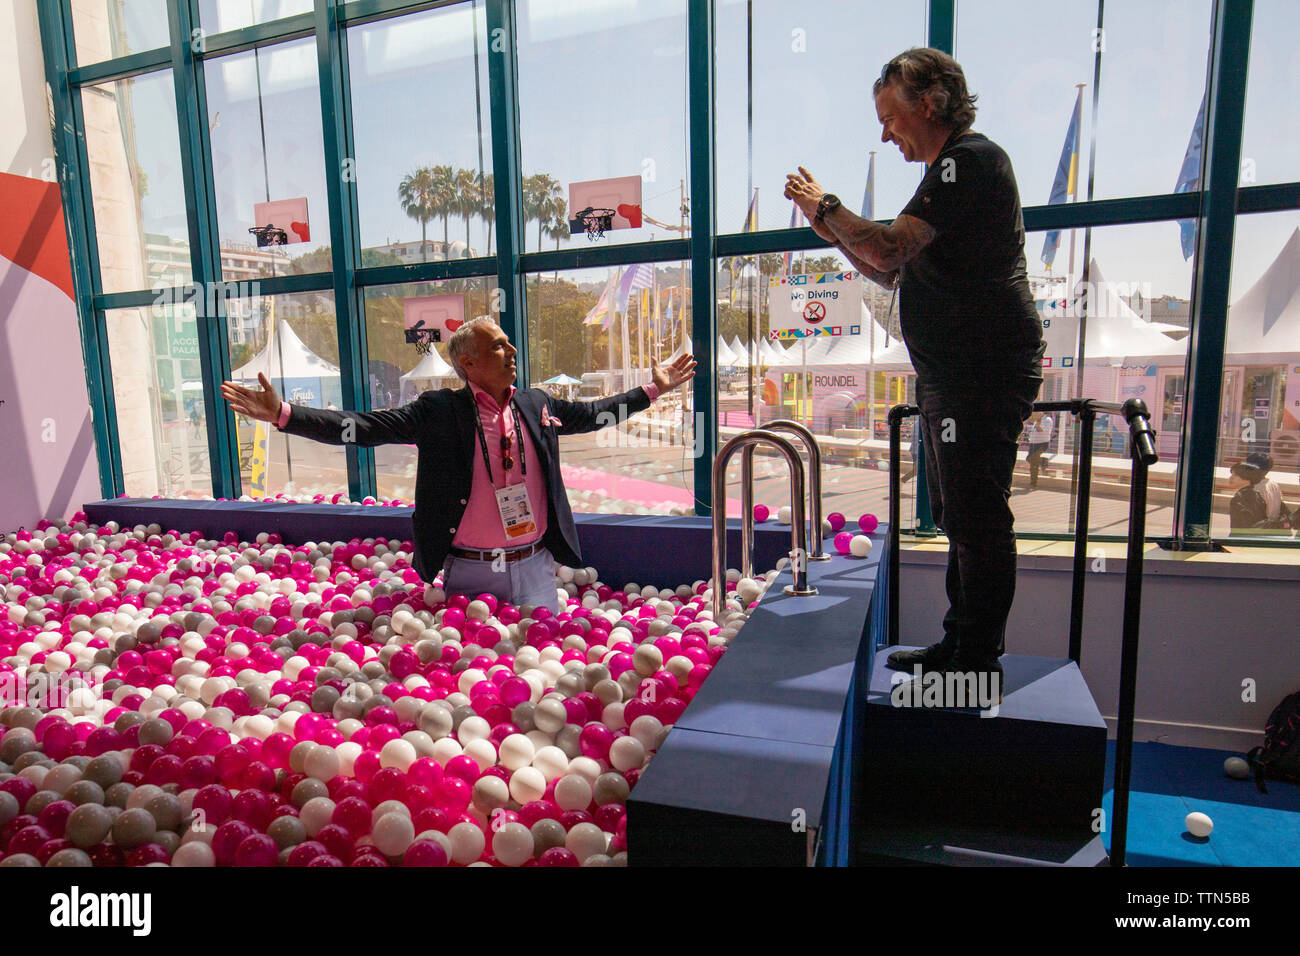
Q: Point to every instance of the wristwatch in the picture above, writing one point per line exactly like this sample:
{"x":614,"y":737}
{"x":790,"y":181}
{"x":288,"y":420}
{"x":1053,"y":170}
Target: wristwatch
{"x":828,"y":204}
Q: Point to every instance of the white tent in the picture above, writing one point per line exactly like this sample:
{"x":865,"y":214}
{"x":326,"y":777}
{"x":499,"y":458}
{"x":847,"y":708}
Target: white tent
{"x":285,"y":357}
{"x":431,"y":372}
{"x":1116,"y":335}
{"x":1264,"y":324}
{"x":739,"y":351}
{"x":725,"y":357}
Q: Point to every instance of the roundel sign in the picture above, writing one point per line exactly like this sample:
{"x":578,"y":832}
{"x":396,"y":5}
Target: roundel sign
{"x":814,"y":312}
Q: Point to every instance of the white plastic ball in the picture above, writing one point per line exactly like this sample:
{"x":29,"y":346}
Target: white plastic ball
{"x":512,"y":845}
{"x":1199,"y":825}
{"x":585,"y":840}
{"x":783,"y":514}
{"x":467,"y":842}
{"x":398,"y":754}
{"x":627,"y":753}
{"x":527,"y":784}
{"x":393,"y":833}
{"x":860,"y":545}
{"x":573,"y":792}
{"x":516,"y":751}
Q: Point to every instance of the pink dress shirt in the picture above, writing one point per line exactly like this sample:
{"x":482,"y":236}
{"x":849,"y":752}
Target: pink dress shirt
{"x":480,"y":527}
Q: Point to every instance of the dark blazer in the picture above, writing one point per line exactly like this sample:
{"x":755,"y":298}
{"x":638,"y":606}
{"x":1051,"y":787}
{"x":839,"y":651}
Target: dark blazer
{"x":442,"y":425}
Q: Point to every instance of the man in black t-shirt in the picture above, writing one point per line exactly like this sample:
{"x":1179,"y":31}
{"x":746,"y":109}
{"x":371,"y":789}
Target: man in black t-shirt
{"x":956,"y":254}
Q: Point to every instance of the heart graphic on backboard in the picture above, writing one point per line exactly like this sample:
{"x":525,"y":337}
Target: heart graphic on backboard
{"x":453,"y":324}
{"x":301,"y":231}
{"x":632,"y":213}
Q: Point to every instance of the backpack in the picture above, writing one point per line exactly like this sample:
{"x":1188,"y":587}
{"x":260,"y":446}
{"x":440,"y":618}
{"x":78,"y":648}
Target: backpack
{"x":1279,"y":758}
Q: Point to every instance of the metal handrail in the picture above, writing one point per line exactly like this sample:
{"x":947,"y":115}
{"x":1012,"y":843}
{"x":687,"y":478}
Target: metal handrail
{"x":814,"y":479}
{"x":798,"y":542}
{"x":1142,"y":451}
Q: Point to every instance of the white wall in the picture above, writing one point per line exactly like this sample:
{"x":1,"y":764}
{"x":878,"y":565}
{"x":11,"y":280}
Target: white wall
{"x":25,"y":144}
{"x":1207,"y":626}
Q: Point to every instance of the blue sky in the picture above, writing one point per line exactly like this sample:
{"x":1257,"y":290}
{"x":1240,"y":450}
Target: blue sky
{"x":603,"y":93}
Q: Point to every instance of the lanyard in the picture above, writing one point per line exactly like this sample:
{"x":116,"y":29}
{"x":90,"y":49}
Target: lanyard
{"x":482,"y":439}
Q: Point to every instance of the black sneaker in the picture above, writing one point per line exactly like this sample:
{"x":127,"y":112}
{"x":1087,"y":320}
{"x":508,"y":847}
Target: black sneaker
{"x":936,"y":657}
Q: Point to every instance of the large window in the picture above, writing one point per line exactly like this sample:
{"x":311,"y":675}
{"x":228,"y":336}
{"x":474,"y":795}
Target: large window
{"x":1270,"y":144}
{"x":400,"y":369}
{"x":105,"y":29}
{"x":602,"y":120}
{"x":1261,"y":387}
{"x":423,"y":134}
{"x":803,"y":73}
{"x":593,"y":333}
{"x":218,"y":16}
{"x":135,"y":179}
{"x":158,"y":395}
{"x":840,"y":386}
{"x":293,"y":341}
{"x":268,"y":161}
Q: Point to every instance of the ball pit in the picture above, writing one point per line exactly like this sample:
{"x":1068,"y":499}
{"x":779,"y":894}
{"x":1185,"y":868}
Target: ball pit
{"x":196,"y":702}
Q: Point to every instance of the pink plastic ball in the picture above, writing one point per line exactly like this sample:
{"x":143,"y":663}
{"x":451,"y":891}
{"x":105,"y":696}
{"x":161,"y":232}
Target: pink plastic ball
{"x":868,"y":523}
{"x":837,"y":520}
{"x":842,"y":542}
{"x":761,"y":514}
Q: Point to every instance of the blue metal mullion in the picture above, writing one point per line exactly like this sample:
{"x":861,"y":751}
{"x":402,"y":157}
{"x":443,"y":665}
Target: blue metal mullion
{"x":594,"y":257}
{"x":259,"y":34}
{"x":503,"y":89}
{"x":941,"y":34}
{"x":349,"y":311}
{"x":205,"y":250}
{"x":435,"y":271}
{"x":1224,"y":120}
{"x":356,"y":12}
{"x":941,"y":25}
{"x":56,"y":46}
{"x":121,"y":68}
{"x":704,"y":317}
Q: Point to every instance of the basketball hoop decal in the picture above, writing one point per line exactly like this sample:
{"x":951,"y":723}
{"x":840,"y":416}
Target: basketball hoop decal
{"x":814,"y":312}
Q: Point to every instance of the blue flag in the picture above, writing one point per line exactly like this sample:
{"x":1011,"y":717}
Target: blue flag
{"x":869,"y":194}
{"x":1189,"y":177}
{"x":1067,"y":178}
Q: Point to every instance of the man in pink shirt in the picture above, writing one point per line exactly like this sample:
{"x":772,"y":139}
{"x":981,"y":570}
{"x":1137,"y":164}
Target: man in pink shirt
{"x":490,"y":507}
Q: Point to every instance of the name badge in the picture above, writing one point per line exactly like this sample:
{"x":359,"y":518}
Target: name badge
{"x":516,"y":510}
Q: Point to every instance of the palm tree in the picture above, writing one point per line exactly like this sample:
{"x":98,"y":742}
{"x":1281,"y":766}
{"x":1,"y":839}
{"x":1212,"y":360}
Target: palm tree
{"x":467,"y":198}
{"x":416,"y":193}
{"x":444,"y":192}
{"x":487,"y":204}
{"x":557,"y":225}
{"x":541,"y":194}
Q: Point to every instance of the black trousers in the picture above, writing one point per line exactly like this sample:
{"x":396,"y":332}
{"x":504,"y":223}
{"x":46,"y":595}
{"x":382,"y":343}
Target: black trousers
{"x":971,"y":431}
{"x":1035,"y":460}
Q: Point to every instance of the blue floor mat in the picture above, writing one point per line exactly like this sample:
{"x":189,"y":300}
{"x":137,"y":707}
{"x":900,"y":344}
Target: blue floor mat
{"x":1167,"y":783}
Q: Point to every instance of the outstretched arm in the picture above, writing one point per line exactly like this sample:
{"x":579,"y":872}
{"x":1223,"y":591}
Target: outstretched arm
{"x":576,"y":418}
{"x":367,"y":429}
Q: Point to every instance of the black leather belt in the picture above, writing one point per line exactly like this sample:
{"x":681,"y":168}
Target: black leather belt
{"x":518,"y":554}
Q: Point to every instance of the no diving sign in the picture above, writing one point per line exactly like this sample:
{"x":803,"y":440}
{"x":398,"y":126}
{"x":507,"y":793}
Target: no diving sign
{"x":810,"y":302}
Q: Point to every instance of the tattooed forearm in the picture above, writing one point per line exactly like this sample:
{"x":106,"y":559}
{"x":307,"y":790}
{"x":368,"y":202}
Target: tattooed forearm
{"x":884,"y":248}
{"x":887,"y":279}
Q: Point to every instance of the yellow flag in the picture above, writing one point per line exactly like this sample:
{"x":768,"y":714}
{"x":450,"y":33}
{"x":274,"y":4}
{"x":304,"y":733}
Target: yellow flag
{"x":257,"y":479}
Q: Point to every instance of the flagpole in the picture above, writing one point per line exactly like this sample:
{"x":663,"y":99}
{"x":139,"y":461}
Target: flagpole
{"x":869,"y":212}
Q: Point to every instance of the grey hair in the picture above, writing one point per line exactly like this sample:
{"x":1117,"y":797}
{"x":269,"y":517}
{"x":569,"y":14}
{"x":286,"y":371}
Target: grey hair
{"x":924,"y":73}
{"x":461,"y":342}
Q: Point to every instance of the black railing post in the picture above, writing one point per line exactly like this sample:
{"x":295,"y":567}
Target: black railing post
{"x":1083,"y":482}
{"x":1143,"y":452}
{"x":896,"y":416}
